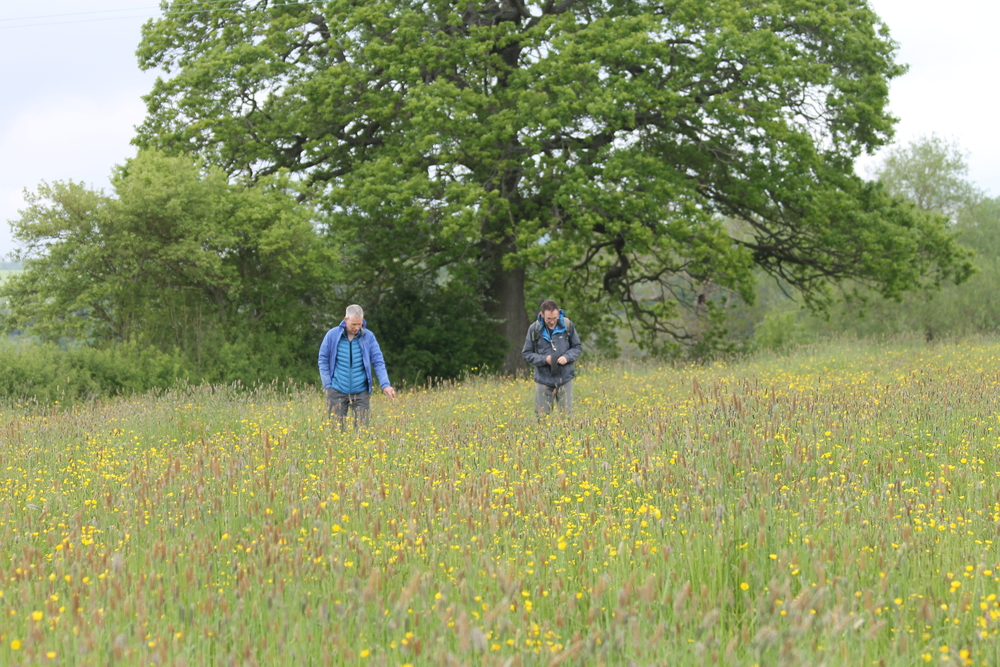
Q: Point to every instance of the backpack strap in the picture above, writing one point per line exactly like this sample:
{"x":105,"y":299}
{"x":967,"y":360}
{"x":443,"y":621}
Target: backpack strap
{"x":536,"y":329}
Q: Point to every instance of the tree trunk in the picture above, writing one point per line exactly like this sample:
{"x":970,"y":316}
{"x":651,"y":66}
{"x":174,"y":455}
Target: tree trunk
{"x":507,"y":287}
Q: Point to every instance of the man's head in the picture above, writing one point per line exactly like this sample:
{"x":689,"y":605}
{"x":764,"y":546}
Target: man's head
{"x":549,"y":310}
{"x":353,"y":319}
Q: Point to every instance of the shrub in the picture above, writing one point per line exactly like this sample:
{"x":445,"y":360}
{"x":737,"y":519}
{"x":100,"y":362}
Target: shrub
{"x":46,"y":373}
{"x":433,"y":331}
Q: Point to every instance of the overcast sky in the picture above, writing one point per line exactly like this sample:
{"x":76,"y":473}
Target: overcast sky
{"x":70,"y":87}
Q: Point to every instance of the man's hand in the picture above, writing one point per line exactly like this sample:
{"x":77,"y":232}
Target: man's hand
{"x":548,"y":360}
{"x":389,"y":391}
{"x":562,"y":360}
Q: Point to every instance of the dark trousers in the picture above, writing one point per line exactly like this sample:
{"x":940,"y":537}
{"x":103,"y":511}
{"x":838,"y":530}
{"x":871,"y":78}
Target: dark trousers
{"x":338,"y":404}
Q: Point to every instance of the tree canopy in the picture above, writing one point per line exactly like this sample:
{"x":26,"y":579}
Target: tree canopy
{"x":589,"y":150}
{"x":234,"y":279}
{"x":932,"y":172}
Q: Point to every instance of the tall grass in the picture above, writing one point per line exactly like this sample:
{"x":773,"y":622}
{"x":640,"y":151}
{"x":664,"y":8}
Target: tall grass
{"x":836,"y":506}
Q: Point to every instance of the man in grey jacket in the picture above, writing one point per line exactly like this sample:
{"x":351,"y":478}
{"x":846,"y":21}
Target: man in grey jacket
{"x":551,"y":346}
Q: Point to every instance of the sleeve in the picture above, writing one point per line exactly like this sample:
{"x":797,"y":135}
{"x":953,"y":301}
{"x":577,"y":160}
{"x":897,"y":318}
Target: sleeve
{"x":378,"y":363}
{"x":575,"y":346}
{"x":528,"y":351}
{"x":324,"y":361}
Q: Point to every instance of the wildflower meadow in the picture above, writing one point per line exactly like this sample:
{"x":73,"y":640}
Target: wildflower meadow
{"x":839,"y":505}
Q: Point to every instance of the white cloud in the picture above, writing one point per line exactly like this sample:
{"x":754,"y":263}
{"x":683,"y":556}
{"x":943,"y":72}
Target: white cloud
{"x":10,"y":202}
{"x":949,"y":91}
{"x":64,"y":138}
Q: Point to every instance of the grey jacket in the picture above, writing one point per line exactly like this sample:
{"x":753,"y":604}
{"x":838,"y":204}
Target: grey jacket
{"x":562,"y":344}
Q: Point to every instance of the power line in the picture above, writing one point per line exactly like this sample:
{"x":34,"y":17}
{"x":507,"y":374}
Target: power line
{"x":58,"y":16}
{"x":109,"y":18}
{"x":137,"y":16}
{"x":125,"y":9}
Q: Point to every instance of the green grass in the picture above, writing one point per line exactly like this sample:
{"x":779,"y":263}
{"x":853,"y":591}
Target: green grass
{"x":836,"y":506}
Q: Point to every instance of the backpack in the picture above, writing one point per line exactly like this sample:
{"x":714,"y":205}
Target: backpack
{"x":536,"y":330}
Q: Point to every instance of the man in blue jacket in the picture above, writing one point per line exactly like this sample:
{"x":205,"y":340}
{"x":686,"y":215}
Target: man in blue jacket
{"x":347,"y":357}
{"x":551,"y":346}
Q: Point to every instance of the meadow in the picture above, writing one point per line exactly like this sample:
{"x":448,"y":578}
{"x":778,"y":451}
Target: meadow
{"x":839,"y":505}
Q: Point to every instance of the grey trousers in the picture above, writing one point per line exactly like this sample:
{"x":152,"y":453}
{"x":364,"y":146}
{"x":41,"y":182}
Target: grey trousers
{"x":338,"y":404}
{"x":546,"y":397}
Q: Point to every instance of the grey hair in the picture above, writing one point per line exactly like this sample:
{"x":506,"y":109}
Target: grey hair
{"x":354,"y":310}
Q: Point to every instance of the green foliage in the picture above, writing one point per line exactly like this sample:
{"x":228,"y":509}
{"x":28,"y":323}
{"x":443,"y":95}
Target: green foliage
{"x":972,"y":307}
{"x":44,"y":372}
{"x":932,"y":173}
{"x":431,"y":331}
{"x":588,"y":149}
{"x":778,"y":330}
{"x":234,"y":279}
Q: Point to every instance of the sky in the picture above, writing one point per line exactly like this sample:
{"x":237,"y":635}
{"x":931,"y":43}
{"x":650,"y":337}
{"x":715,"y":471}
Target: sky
{"x":70,"y":88}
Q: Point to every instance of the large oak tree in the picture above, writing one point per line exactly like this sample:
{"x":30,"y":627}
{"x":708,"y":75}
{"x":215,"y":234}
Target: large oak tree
{"x":602,"y":148}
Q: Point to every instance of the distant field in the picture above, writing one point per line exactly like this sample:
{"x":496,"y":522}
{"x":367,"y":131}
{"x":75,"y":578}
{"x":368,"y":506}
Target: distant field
{"x":839,"y":506}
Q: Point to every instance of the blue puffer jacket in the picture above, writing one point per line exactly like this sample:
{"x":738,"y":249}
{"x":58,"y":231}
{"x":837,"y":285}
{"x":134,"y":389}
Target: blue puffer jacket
{"x":349,"y":370}
{"x":371,"y":354}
